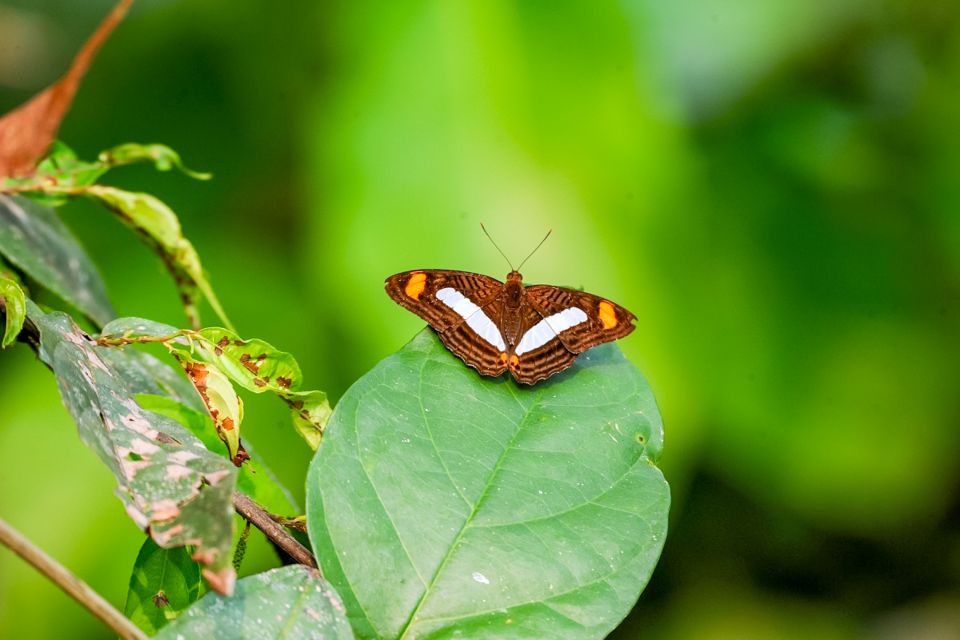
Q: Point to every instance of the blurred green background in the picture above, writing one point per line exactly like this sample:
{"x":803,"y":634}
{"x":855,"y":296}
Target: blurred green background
{"x":772,"y":186}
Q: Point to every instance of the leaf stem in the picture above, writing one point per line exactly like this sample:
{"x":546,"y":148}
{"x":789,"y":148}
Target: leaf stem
{"x":123,"y":341}
{"x":69,"y":583}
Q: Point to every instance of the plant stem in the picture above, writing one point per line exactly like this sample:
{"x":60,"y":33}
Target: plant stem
{"x":274,"y":532}
{"x":69,"y":583}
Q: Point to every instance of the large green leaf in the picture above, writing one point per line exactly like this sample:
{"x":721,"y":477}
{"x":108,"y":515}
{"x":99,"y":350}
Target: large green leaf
{"x":288,"y":602}
{"x":33,"y":239}
{"x":163,"y":583}
{"x":443,"y":503}
{"x":168,"y":480}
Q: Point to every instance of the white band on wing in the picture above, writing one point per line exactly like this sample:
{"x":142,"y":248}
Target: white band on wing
{"x":549,"y":328}
{"x":475,"y":317}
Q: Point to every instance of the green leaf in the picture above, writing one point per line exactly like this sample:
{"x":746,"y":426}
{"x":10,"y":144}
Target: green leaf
{"x":58,"y":173}
{"x":145,"y":374}
{"x":288,"y":602}
{"x":137,"y":328}
{"x":35,"y":241}
{"x":444,"y":503}
{"x":255,"y":480}
{"x":163,"y":157}
{"x":164,"y":582}
{"x":158,"y":225}
{"x":62,"y":167}
{"x":15,"y":310}
{"x":168,"y":481}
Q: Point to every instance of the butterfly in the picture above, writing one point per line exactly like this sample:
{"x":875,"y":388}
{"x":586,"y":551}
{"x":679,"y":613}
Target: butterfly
{"x":531,"y":331}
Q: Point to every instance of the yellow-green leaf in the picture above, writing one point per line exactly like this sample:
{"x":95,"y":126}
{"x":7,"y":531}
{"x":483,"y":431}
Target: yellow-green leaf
{"x":163,"y":157}
{"x":311,"y":412}
{"x":15,"y":309}
{"x":218,"y":395}
{"x":258,"y":366}
{"x":160,"y":228}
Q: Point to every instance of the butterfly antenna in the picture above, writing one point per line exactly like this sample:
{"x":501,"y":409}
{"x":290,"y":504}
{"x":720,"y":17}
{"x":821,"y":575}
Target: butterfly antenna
{"x":534,"y":250}
{"x":498,"y":248}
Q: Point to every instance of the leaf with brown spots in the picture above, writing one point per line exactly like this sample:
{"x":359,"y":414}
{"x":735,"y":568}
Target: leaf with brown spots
{"x":257,"y":366}
{"x":159,"y":228}
{"x":256,"y":479}
{"x":26,"y":132}
{"x":170,"y":483}
{"x":252,"y":364}
{"x":311,"y":411}
{"x":222,"y":402}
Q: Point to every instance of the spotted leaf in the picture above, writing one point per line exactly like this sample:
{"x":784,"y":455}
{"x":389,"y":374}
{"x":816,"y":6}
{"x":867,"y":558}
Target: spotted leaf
{"x":169,"y":482}
{"x":255,"y":480}
{"x":257,"y":366}
{"x":222,"y":402}
{"x":159,"y":227}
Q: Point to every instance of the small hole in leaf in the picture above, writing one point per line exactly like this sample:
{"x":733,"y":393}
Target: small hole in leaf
{"x":640,"y":438}
{"x":134,"y":456}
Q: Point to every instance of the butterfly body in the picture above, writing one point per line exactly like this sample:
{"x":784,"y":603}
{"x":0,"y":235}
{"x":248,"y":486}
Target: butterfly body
{"x":531,"y":331}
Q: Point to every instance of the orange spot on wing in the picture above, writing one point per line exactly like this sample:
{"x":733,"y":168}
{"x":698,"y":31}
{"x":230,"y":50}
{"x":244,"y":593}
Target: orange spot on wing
{"x":607,"y":315}
{"x":514,"y":361}
{"x":503,"y":357}
{"x":415,"y":285}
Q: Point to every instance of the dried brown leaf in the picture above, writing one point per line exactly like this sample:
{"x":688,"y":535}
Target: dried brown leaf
{"x":27,"y":131}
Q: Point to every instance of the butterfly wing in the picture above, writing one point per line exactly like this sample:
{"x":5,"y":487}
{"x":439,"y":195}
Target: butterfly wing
{"x":579,"y":320}
{"x":530,"y":364}
{"x":454,"y":303}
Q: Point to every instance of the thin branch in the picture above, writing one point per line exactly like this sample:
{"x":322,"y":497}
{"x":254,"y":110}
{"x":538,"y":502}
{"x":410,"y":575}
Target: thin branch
{"x":262,"y":520}
{"x":71,"y":584}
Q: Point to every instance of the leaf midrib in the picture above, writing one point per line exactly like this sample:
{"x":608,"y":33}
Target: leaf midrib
{"x":476,"y":508}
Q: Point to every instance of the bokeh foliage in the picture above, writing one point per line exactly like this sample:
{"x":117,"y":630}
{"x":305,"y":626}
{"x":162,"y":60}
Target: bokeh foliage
{"x":771,"y":186}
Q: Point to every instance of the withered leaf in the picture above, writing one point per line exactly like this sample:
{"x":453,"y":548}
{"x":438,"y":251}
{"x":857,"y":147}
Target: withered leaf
{"x":27,"y":131}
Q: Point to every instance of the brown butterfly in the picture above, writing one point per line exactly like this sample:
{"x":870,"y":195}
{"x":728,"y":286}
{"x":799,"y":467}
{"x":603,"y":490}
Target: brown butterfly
{"x":532,"y":331}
